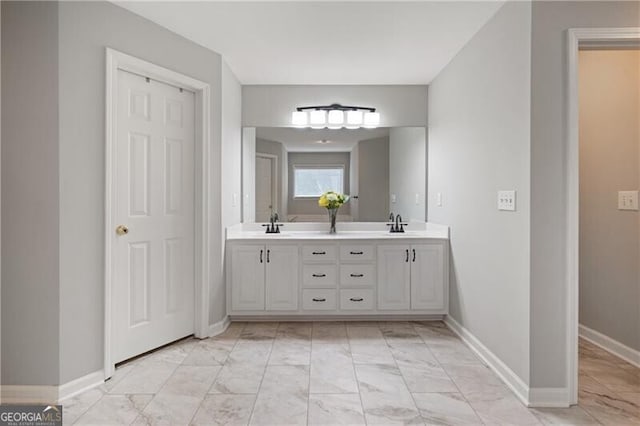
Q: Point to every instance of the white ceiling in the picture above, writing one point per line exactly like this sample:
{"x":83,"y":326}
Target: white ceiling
{"x":326,"y":42}
{"x":306,"y":140}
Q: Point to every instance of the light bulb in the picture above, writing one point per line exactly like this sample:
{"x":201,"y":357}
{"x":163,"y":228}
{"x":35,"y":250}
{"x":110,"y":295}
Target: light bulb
{"x":299,"y":118}
{"x":371,"y":119}
{"x":335,"y":119}
{"x":318,"y":118}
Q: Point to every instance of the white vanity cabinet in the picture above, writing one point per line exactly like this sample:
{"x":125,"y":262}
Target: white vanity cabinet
{"x":349,"y":275}
{"x":264,"y":277}
{"x":411,"y":277}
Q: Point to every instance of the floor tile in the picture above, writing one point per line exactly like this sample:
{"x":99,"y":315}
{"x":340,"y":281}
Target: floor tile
{"x":147,"y":377}
{"x":476,"y":382}
{"x":332,"y":370}
{"x":238,"y":379}
{"x":288,"y":352}
{"x":259,"y":331}
{"x":224,"y":410}
{"x":115,"y":410}
{"x":336,"y":409}
{"x":445,"y":409}
{"x":209,"y":352}
{"x":167,"y":409}
{"x":381,"y":378}
{"x":76,"y":406}
{"x":503,"y":410}
{"x":382,"y":408}
{"x":372,"y":354}
{"x":564,"y":416}
{"x":190,"y":380}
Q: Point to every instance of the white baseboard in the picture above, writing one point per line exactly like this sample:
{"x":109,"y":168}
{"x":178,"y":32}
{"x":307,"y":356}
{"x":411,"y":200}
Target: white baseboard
{"x":79,"y":385}
{"x":219,"y":327}
{"x":549,"y":397}
{"x":515,"y":383}
{"x":618,"y":349}
{"x":18,"y":394}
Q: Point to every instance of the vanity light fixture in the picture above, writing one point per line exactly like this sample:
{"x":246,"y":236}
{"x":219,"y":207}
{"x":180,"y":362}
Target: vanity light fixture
{"x":335,"y":116}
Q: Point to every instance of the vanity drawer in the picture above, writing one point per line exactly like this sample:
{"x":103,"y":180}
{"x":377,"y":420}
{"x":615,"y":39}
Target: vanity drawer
{"x":354,"y":300}
{"x":319,"y":276}
{"x":319,"y":300}
{"x":319,"y":253}
{"x":357,"y":253}
{"x":358,"y":275}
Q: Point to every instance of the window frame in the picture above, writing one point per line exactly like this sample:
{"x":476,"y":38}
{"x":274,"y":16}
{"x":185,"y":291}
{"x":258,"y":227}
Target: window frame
{"x":340,"y":167}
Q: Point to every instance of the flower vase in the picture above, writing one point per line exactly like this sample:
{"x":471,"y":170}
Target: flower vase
{"x":333,"y":213}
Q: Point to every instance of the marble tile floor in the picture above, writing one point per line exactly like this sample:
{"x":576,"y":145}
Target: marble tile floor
{"x":332,"y":373}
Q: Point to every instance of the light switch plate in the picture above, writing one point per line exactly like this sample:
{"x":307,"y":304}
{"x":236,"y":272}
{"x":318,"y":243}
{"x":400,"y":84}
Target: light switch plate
{"x":417,"y":199}
{"x":439,"y":199}
{"x":393,"y":198}
{"x":507,"y":200}
{"x":627,"y":200}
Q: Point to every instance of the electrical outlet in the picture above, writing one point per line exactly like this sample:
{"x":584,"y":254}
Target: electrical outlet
{"x":439,"y":199}
{"x":393,"y":198}
{"x":507,"y":200}
{"x":627,"y":200}
{"x":417,"y":199}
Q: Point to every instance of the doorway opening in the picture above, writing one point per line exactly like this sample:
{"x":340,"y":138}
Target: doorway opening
{"x":603,"y":237}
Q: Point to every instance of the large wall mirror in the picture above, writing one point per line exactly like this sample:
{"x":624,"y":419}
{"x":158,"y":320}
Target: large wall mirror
{"x":384,"y":170}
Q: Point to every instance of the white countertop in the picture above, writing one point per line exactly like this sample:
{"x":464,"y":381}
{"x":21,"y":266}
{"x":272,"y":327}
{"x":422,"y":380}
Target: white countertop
{"x":345,"y":231}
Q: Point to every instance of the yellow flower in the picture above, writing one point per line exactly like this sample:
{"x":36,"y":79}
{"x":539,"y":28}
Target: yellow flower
{"x":323,"y":202}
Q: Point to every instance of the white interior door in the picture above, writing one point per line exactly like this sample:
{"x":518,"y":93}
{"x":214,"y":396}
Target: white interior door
{"x":264,"y":188}
{"x":153,"y":258}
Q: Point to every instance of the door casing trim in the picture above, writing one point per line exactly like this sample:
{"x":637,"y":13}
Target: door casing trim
{"x":115,"y":61}
{"x":577,"y":38}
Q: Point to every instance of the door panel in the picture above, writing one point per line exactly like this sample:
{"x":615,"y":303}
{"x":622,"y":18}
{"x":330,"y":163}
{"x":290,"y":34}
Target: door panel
{"x":282,"y":278}
{"x":153,"y":267}
{"x":394,"y":280}
{"x":427,"y":276}
{"x":264,"y":188}
{"x":247,"y":275}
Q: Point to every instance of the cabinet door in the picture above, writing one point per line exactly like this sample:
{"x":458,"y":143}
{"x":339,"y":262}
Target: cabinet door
{"x":282,"y":278}
{"x":247,"y":277}
{"x":427,"y":277}
{"x":394,"y":281}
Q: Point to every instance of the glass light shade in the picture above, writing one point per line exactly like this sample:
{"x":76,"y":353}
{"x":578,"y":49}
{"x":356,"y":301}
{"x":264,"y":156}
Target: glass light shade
{"x":355,"y":118}
{"x":371,"y":119}
{"x":317,"y":118}
{"x":299,"y":118}
{"x":336,"y":118}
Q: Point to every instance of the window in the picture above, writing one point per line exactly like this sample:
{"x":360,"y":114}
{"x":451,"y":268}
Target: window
{"x":312,"y":181}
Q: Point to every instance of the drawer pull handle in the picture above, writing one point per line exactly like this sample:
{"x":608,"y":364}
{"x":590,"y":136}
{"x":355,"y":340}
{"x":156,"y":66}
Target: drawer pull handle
{"x":319,"y":252}
{"x":315,"y":299}
{"x":357,"y":275}
{"x":356,"y":252}
{"x":356,"y":299}
{"x":318,"y":275}
{"x":261,"y":255}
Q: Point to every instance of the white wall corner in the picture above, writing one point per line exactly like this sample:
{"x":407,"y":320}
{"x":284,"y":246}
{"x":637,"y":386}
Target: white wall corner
{"x":511,"y":379}
{"x":81,"y":384}
{"x":549,"y":397}
{"x":219,"y":327}
{"x":618,"y":349}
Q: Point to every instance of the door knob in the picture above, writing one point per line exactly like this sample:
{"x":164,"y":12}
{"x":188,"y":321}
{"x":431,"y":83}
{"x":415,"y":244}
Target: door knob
{"x":122,"y":230}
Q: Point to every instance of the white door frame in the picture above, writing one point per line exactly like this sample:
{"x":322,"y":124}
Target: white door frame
{"x":120,"y":61}
{"x":576,"y":38}
{"x":274,"y":181}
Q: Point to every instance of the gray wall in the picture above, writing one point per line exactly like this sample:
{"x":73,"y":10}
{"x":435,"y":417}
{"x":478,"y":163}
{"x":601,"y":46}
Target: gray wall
{"x":609,"y":162}
{"x":248,"y":174}
{"x":548,"y":129}
{"x":373,"y":180}
{"x":276,"y":148}
{"x":479,"y":122}
{"x":85,"y":29}
{"x":408,"y":171}
{"x":30,"y":209}
{"x":271,"y":106}
{"x":310,"y":206}
{"x":231,"y":169}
